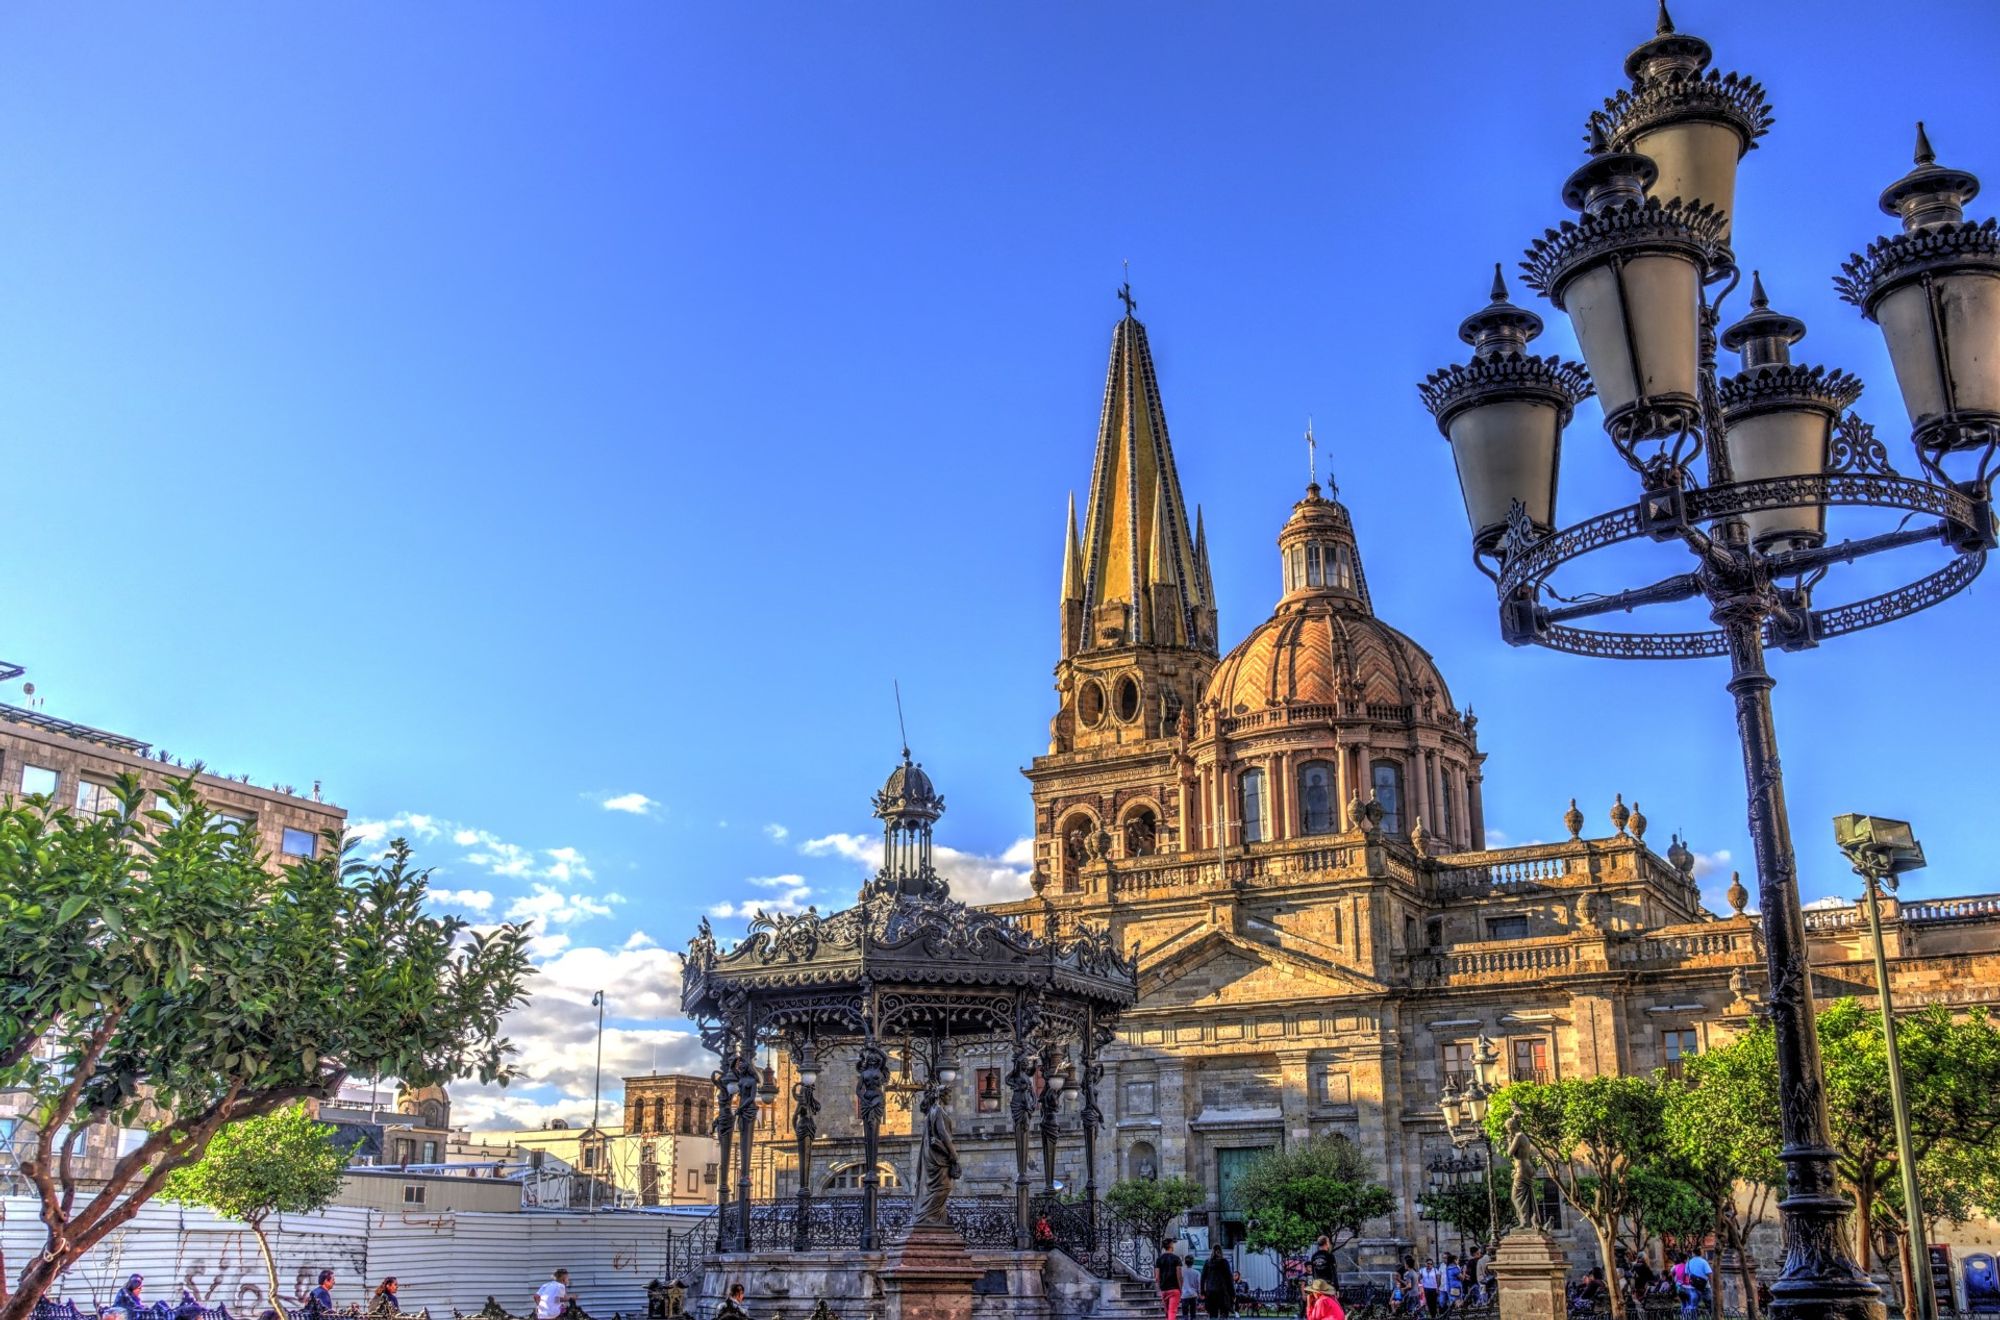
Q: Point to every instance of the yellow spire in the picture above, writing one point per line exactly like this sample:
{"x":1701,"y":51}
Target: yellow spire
{"x":1135,"y":500}
{"x":1072,"y":584}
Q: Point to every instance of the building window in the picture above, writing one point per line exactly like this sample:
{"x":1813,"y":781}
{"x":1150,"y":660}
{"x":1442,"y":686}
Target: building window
{"x":1552,"y":1204}
{"x":1250,"y":790}
{"x":1316,"y":798}
{"x":430,"y":1152}
{"x":1531,"y":1059}
{"x":1506,"y":928}
{"x":299,"y":843}
{"x":1340,"y":573}
{"x":406,"y":1150}
{"x":1677,"y":1046}
{"x":590,"y":1157}
{"x":164,"y":805}
{"x":1128,"y":699}
{"x":1457,"y":1064}
{"x":1386,"y":777}
{"x":708,"y":1173}
{"x":847,"y":1177}
{"x":687,"y":1115}
{"x":230,"y":823}
{"x":1313,"y":576}
{"x":95,"y":799}
{"x":694,"y":1180}
{"x":986,"y":1089}
{"x":37,"y":781}
{"x":413,"y":1193}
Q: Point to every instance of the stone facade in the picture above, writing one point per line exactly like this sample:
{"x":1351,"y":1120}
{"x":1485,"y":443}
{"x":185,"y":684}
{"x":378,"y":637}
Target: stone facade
{"x":1322,"y":934}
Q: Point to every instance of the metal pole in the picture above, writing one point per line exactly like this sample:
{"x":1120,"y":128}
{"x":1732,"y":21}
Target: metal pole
{"x":1492,"y":1199}
{"x":1913,"y":1205}
{"x":596,"y":1093}
{"x":724,"y":1128}
{"x":1820,"y":1279}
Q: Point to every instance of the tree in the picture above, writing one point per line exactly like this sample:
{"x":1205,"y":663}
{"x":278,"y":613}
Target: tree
{"x":160,"y":973}
{"x":1322,"y":1186}
{"x":280,"y":1163}
{"x":1951,"y":1079}
{"x":1150,"y":1204}
{"x":1591,"y":1136}
{"x":1720,"y":1125}
{"x":1465,"y":1206}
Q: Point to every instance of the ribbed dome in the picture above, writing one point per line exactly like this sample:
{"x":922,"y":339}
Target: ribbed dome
{"x":1320,"y":650}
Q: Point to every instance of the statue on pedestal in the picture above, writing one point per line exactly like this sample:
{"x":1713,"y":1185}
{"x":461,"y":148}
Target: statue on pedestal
{"x":937,"y":1163}
{"x":1522,"y":1152}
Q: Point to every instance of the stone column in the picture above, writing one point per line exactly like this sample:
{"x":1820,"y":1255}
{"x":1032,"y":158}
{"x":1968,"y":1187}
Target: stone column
{"x":1295,"y":1094}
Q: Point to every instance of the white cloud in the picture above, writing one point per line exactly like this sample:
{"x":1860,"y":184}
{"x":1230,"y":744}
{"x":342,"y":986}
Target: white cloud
{"x":974,"y":877}
{"x":789,"y":897}
{"x":472,"y":900}
{"x":635,"y":804}
{"x":777,"y":832}
{"x":1707,"y":864}
{"x":553,"y":906}
{"x":565,"y":865}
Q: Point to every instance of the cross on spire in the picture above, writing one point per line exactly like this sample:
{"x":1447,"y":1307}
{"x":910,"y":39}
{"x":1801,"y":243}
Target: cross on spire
{"x":1312,"y":454}
{"x":1125,"y":296}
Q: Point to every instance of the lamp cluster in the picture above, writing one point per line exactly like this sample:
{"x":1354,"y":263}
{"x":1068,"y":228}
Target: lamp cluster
{"x":1633,"y":271}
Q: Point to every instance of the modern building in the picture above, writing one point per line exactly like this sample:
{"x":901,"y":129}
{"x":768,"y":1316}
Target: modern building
{"x":1291,"y":835}
{"x":76,"y":766}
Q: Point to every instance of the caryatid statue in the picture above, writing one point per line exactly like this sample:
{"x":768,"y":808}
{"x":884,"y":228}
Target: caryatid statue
{"x":937,"y":1162}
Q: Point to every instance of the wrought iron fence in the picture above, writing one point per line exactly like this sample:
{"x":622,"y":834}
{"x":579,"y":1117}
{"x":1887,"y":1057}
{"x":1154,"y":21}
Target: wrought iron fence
{"x":834,"y":1222}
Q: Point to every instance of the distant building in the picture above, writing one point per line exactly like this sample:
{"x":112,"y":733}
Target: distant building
{"x":413,"y":1130}
{"x":664,"y":1154}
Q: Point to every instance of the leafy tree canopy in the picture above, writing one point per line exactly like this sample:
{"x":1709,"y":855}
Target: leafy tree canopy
{"x":1324,"y":1185}
{"x":161,"y":975}
{"x":1150,"y":1204}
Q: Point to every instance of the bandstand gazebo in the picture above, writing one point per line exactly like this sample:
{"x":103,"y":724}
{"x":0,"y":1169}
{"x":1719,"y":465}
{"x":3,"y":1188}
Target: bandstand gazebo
{"x":910,"y":970}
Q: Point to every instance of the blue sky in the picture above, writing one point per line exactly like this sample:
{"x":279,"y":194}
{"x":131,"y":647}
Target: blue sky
{"x":499,"y":411}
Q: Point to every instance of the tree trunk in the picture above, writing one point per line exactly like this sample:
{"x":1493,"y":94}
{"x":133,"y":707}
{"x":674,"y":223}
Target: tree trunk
{"x":1746,"y":1271}
{"x":1908,"y":1264}
{"x":1607,"y":1238}
{"x":270,"y":1264}
{"x":1864,"y":1224}
{"x":36,"y":1279}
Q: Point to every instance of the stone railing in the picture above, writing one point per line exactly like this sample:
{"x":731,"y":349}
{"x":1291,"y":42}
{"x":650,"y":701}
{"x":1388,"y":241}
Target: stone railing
{"x":1516,"y":962}
{"x":1830,"y":919}
{"x":1689,"y":946}
{"x":1507,"y":876}
{"x":1184,"y":873}
{"x":1975,"y":907}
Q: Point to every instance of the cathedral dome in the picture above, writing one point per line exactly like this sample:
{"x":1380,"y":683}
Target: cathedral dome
{"x":1323,"y":646}
{"x":1319,"y":649}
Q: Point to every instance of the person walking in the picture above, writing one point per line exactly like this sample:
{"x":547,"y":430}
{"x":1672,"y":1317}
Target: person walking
{"x":1190,"y":1287}
{"x":1167,"y":1278}
{"x":1700,"y":1276}
{"x":383,"y":1301}
{"x":320,"y":1300}
{"x":1428,"y":1280}
{"x":1454,"y":1282}
{"x":1218,"y":1284}
{"x":128,"y":1299}
{"x":552,"y":1298}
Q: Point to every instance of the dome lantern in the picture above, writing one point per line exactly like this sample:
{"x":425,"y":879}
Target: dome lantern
{"x":908,"y":806}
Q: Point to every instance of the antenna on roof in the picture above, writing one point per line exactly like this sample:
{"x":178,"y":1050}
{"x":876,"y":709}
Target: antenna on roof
{"x":897,"y":683}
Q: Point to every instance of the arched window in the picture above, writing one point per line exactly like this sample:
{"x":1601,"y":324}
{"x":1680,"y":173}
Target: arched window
{"x":1313,"y":578}
{"x":1250,"y":793}
{"x":1077,"y":835}
{"x":847,"y":1177}
{"x":1142,"y":833}
{"x":1340,"y":572}
{"x":687,"y":1114}
{"x":1387,"y":779}
{"x":1316,"y":798}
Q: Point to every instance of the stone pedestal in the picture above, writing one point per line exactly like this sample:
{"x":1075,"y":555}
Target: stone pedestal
{"x":1533,"y":1274}
{"x":929,"y":1276}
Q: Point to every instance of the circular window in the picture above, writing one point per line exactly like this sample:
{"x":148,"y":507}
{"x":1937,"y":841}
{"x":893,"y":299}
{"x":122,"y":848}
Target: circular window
{"x":1128,"y":699}
{"x":1090,"y":704}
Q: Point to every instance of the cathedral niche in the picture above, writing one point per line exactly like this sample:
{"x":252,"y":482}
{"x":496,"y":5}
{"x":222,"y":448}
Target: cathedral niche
{"x":1142,"y":833}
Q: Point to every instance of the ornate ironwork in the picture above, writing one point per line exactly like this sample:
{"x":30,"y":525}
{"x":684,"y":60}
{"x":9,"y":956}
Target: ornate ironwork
{"x":1855,"y":448}
{"x":835,"y":1222}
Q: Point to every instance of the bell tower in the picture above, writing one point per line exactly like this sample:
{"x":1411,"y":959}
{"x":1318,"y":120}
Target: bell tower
{"x":1138,"y":609}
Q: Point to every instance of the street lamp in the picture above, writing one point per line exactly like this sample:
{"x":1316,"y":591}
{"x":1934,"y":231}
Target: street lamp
{"x":1742,"y":473}
{"x":596,"y":1093}
{"x":1465,"y":1108}
{"x":1880,"y":850}
{"x":805,"y":1126}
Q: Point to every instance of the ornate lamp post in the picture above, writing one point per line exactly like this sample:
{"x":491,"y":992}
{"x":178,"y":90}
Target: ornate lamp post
{"x":1465,"y":1120}
{"x":1054,"y":1077}
{"x":1741,"y":472}
{"x":1881,"y":849}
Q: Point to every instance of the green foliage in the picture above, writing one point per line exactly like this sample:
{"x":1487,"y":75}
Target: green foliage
{"x":1592,"y":1138}
{"x":1295,"y":1194}
{"x":1464,"y":1205}
{"x":171,"y":980}
{"x":1951,"y":1077}
{"x":283,"y":1162}
{"x":1670,"y":1207}
{"x":1150,"y":1204}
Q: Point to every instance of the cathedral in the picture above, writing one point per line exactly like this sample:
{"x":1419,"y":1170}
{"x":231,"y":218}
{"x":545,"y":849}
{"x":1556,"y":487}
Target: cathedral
{"x":1289,"y":834}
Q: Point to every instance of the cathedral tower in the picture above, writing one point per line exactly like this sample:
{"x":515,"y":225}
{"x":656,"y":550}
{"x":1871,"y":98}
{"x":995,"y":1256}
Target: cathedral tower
{"x":1138,"y":634}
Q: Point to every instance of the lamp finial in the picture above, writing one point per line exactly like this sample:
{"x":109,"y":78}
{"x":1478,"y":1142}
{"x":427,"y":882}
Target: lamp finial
{"x":1757,"y":298}
{"x":1665,"y":27}
{"x":1924,"y":156}
{"x":1499,"y":284}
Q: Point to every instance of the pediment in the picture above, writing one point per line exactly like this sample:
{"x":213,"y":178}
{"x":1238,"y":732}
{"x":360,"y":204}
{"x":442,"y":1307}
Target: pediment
{"x":1216,"y":967}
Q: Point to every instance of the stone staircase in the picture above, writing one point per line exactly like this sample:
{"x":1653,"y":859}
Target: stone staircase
{"x":1128,"y":1299}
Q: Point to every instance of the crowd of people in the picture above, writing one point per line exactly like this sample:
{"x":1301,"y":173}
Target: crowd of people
{"x":552,"y":1301}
